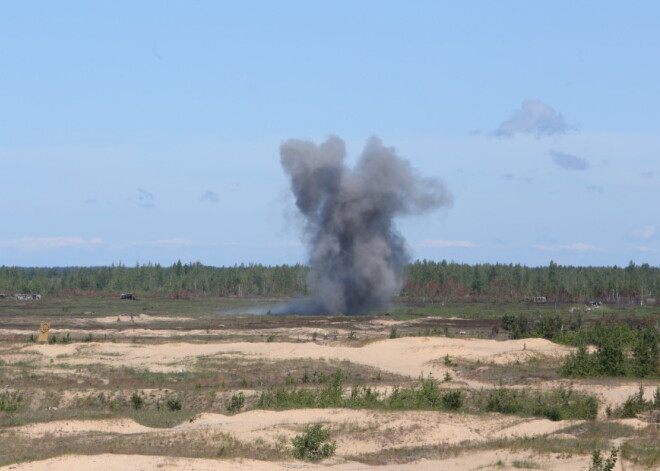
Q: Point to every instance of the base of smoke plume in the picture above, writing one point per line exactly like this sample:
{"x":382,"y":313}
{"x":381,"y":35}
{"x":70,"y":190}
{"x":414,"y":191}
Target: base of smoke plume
{"x":302,"y":306}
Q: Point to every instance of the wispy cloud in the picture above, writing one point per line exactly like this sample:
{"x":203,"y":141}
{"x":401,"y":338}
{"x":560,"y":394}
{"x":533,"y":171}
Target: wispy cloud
{"x":174,"y":242}
{"x":445,"y":243}
{"x":568,"y":161}
{"x":210,"y":196}
{"x":290,"y":243}
{"x":645,"y":233}
{"x":512,"y":178}
{"x":44,"y":243}
{"x":577,"y":246}
{"x":533,"y":117}
{"x":595,"y":188}
{"x":146,"y":199}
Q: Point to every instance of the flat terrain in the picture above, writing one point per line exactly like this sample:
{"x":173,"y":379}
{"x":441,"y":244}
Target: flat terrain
{"x":150,"y":385}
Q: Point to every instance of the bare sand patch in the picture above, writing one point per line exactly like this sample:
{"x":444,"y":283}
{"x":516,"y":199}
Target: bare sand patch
{"x":137,"y":319}
{"x":409,"y":356}
{"x":470,"y":461}
{"x":75,"y":427}
{"x":357,"y":431}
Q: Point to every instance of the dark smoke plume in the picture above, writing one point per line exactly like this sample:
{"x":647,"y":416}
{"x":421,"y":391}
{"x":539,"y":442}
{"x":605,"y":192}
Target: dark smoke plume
{"x":355,"y":252}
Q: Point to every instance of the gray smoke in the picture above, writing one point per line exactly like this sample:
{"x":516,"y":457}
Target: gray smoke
{"x":355,"y":252}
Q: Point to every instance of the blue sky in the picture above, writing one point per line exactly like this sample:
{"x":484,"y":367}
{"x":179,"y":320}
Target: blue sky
{"x":150,"y":131}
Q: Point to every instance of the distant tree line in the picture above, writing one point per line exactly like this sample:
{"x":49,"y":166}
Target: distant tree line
{"x":178,"y":279}
{"x":448,"y":281}
{"x":424,"y":281}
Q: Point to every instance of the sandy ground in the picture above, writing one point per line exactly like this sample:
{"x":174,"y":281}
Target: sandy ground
{"x":137,"y":319}
{"x":360,"y":432}
{"x":475,"y":461}
{"x":357,"y":431}
{"x":408,"y":356}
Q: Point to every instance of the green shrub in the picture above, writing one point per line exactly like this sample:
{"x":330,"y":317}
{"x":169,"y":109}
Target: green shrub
{"x":597,"y":463}
{"x":10,"y":401}
{"x":634,"y":405}
{"x":506,"y":401}
{"x":579,"y":364}
{"x":646,"y":353}
{"x":610,"y":358}
{"x":312,"y":446}
{"x":236,"y":402}
{"x":452,"y":400}
{"x":137,"y":401}
{"x":174,"y":403}
{"x":558,"y":404}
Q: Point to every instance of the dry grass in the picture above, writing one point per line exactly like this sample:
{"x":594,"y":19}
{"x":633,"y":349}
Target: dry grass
{"x":193,"y":444}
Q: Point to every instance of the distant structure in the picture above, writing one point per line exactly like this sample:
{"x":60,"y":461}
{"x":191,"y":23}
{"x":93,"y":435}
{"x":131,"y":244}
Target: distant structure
{"x":27,"y":297}
{"x":537,"y":300}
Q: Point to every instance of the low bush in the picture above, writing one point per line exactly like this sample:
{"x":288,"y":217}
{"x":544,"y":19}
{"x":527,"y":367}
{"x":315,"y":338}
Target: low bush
{"x":174,"y":403}
{"x":236,"y":402}
{"x":137,"y":400}
{"x":313,"y":444}
{"x":620,"y":351}
{"x":558,"y":404}
{"x":597,"y":463}
{"x":10,"y":401}
{"x":635,"y":404}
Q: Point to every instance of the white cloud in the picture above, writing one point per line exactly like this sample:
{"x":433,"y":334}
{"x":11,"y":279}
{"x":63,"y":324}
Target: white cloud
{"x":43,"y":243}
{"x":533,"y":117}
{"x":174,"y":242}
{"x":445,"y":243}
{"x":578,"y":246}
{"x":645,"y":233}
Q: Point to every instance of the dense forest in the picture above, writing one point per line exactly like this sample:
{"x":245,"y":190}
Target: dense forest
{"x":423,"y":281}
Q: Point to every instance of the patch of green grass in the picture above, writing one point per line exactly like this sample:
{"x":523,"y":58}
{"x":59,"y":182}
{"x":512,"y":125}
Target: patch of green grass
{"x":557,"y":404}
{"x":193,"y":444}
{"x":525,"y":464}
{"x":10,"y":400}
{"x":644,"y":449}
{"x":159,"y":418}
{"x":606,"y":430}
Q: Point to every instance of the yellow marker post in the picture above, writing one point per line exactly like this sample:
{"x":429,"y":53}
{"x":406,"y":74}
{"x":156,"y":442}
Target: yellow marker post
{"x":43,"y":332}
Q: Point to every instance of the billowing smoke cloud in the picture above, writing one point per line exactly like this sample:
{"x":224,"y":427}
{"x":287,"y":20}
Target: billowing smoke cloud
{"x":356,"y":253}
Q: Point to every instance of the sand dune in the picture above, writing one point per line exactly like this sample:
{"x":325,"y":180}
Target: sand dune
{"x":471,"y":461}
{"x":76,"y":427}
{"x":409,"y":356}
{"x":362,"y":431}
